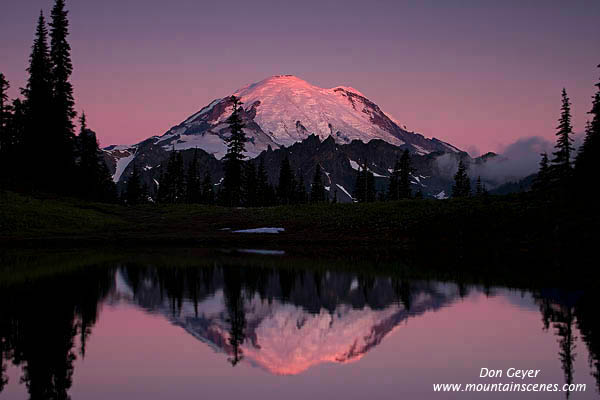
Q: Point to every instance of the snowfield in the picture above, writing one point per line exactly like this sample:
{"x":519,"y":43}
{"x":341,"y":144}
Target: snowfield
{"x":261,"y":230}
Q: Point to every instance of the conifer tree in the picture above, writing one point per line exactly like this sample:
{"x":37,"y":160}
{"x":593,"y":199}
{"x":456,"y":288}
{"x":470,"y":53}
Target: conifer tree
{"x":364,"y":188}
{"x":462,"y":184}
{"x":394,"y":186}
{"x":371,"y":193}
{"x":249,"y":185}
{"x":62,"y":106}
{"x":478,"y":187}
{"x":4,"y":109}
{"x":317,"y":190}
{"x":134,"y":190}
{"x":208,"y":189}
{"x":541,"y":183}
{"x":12,"y":154}
{"x":4,"y":133}
{"x":39,"y":170}
{"x":193,"y":184}
{"x":301,"y":195}
{"x":286,"y":186}
{"x":94,"y":180}
{"x":236,"y":145}
{"x":360,"y":185}
{"x":405,"y":171}
{"x":586,"y":163}
{"x":564,"y":147}
{"x":262,"y":183}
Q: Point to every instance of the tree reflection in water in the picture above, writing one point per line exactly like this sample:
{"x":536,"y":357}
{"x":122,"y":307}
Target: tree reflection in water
{"x":45,"y":323}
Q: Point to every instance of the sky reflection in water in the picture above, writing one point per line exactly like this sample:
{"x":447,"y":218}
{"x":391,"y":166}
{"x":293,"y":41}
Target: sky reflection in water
{"x":143,"y":332}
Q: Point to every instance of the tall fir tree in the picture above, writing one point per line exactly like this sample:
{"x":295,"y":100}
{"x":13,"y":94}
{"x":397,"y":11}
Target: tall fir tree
{"x":586,"y":162}
{"x":364,"y":187}
{"x":561,"y":163}
{"x":462,"y":184}
{"x":301,"y":195}
{"x":541,"y":182}
{"x":286,"y":186}
{"x":134,"y":189}
{"x":61,"y":124}
{"x":13,"y":141}
{"x":249,"y":185}
{"x":262,"y":183}
{"x":478,"y":187}
{"x":371,"y":194}
{"x":5,"y":147}
{"x":193,"y":182}
{"x":236,"y":146}
{"x":39,"y":171}
{"x":360,"y":185}
{"x":317,"y":189}
{"x":174,"y":179}
{"x":4,"y":109}
{"x":208,"y":189}
{"x":405,"y":171}
{"x":394,"y":186}
{"x":94,"y":180}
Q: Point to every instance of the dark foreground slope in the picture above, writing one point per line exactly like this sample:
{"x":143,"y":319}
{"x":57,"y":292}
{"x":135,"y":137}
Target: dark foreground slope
{"x":480,"y":230}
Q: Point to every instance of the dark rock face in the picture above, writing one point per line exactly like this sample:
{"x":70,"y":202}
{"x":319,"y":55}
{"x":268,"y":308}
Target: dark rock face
{"x":339,"y":164}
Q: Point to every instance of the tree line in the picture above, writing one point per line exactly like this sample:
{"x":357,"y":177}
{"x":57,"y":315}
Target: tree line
{"x":39,"y":150}
{"x":570,"y":172}
{"x":244,"y":183}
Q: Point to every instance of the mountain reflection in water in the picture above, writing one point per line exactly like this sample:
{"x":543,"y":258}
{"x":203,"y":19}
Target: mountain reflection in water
{"x":282,"y":320}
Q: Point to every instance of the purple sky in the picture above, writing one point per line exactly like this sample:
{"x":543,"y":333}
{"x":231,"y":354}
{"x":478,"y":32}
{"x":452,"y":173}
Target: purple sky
{"x":478,"y":74}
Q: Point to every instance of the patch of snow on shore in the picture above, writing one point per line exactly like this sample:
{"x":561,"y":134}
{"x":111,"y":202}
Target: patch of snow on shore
{"x":261,"y":230}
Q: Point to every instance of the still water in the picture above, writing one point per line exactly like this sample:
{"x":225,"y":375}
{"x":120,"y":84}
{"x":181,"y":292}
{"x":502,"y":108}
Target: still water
{"x":222,"y":330}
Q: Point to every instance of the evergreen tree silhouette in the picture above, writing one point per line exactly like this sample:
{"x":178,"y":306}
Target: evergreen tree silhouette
{"x":208,"y":192}
{"x":317,"y":190}
{"x":134,"y":192}
{"x":262,"y":183}
{"x":95,"y":182}
{"x":360,"y":185}
{"x":4,"y":111}
{"x":462,"y":184}
{"x":364,"y":188}
{"x":301,"y":196}
{"x":561,"y":163}
{"x":236,"y":145}
{"x":172,"y":183}
{"x":286,"y":186}
{"x":370,"y":194}
{"x":39,"y":170}
{"x":12,"y":152}
{"x":249,"y":185}
{"x":541,"y":183}
{"x":193,"y":183}
{"x":586,"y":162}
{"x":404,"y":190}
{"x":394,"y":186}
{"x":62,"y":105}
{"x":5,"y":140}
{"x":478,"y":187}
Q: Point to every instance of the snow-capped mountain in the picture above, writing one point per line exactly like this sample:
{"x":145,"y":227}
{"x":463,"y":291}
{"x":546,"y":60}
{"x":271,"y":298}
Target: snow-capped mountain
{"x":284,"y":109}
{"x":279,"y":113}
